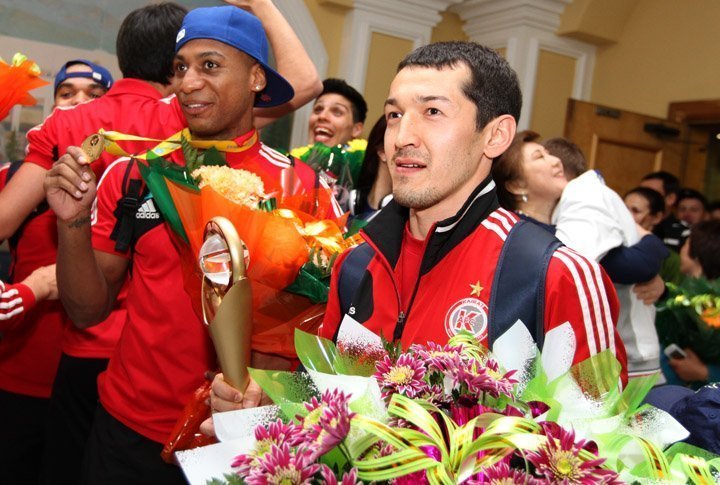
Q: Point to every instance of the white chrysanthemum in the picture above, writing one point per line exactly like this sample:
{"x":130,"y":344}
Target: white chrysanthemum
{"x":239,"y":186}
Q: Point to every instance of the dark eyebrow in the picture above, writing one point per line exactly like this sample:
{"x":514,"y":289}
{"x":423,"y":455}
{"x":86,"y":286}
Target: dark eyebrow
{"x":426,"y":99}
{"x":201,"y":55}
{"x":420,"y":99}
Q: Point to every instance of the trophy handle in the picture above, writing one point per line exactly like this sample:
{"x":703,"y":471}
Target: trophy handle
{"x":227,"y":308}
{"x":226,"y":229}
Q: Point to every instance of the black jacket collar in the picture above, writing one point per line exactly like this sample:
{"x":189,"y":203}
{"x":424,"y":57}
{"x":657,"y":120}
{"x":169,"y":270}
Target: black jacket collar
{"x":386,"y":229}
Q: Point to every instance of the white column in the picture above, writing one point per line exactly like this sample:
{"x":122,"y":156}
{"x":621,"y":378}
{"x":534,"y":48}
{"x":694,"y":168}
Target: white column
{"x":299,"y":17}
{"x":406,"y":19}
{"x":523,"y":28}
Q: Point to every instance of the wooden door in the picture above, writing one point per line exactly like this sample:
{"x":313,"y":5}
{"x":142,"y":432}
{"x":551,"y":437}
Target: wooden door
{"x":623,"y":145}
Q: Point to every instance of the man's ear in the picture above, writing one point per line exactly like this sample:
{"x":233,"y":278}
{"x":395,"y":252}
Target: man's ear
{"x":257,"y":78}
{"x":357,"y":129}
{"x":500,"y":132}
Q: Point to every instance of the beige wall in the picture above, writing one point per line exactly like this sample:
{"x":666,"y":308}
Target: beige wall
{"x":385,"y":54}
{"x":329,"y":18}
{"x":553,"y":86}
{"x":449,"y":28}
{"x":668,"y":51}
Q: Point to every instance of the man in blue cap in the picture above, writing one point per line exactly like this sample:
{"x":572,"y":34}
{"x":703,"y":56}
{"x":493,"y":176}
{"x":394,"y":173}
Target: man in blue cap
{"x":221,"y":66}
{"x":79,"y":81}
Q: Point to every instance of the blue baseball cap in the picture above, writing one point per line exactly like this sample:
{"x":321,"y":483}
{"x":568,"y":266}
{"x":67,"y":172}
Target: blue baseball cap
{"x":698,"y":412}
{"x":239,"y":29}
{"x":98,"y":74}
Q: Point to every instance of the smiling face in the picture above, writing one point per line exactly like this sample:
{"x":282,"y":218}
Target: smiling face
{"x":331,"y":122}
{"x":76,"y":90}
{"x":435,"y":155}
{"x":542,"y":174}
{"x":216,"y":88}
{"x":639,"y":207}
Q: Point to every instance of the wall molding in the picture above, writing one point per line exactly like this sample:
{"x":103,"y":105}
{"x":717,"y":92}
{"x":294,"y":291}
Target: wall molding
{"x":406,"y":19}
{"x":524,"y":28}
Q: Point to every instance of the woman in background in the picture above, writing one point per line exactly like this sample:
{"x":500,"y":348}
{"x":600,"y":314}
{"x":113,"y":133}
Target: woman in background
{"x":647,"y":207}
{"x":374,"y":188}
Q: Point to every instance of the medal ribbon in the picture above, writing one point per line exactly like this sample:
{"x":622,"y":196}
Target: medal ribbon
{"x":171,"y":144}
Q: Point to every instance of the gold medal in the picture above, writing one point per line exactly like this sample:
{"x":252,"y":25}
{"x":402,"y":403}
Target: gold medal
{"x":93,"y":146}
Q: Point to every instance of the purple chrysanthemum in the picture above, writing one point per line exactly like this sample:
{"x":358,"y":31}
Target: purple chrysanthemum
{"x":277,"y":433}
{"x":348,"y":478}
{"x":559,"y":460}
{"x":501,"y":474}
{"x":483,"y":377}
{"x":437,"y":358}
{"x":405,"y":376}
{"x":327,"y":422}
{"x":283,"y":466}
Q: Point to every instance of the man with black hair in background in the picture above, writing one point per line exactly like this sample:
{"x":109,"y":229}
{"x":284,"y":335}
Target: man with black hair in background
{"x":672,"y":232}
{"x":338,"y":114}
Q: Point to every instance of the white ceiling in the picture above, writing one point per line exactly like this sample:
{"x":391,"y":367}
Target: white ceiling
{"x":85,"y":24}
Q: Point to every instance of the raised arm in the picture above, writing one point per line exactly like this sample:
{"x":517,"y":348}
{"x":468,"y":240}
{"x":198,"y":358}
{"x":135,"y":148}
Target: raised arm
{"x":88,"y":281}
{"x":293,"y":62}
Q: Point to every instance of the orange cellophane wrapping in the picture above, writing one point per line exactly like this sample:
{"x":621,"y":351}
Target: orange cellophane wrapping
{"x":277,"y":251}
{"x":186,"y":434}
{"x":15,"y":82}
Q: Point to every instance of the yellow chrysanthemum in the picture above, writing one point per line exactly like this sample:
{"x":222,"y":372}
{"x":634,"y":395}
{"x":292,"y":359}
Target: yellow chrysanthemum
{"x":358,"y":144}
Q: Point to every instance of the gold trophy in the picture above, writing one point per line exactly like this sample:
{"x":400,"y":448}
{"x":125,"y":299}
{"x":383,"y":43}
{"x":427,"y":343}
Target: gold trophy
{"x":227,"y":299}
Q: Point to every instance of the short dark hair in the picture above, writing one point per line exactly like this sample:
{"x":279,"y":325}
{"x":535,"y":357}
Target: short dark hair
{"x":656,"y":202}
{"x":705,"y":247}
{"x":572,"y":158}
{"x":671,"y":184}
{"x":686,"y":193}
{"x":371,"y":162}
{"x":493,"y":85}
{"x":357,"y":102}
{"x":508,"y":168}
{"x":146,"y":42}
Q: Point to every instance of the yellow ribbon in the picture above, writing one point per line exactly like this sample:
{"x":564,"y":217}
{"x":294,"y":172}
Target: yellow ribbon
{"x":171,"y":144}
{"x":324,"y":234}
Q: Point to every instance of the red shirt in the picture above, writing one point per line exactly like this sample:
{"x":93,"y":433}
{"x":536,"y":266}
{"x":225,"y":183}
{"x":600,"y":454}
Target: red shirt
{"x":30,"y":349}
{"x":454,"y":293}
{"x":408,"y":266}
{"x":164,"y":349}
{"x":132,"y":107}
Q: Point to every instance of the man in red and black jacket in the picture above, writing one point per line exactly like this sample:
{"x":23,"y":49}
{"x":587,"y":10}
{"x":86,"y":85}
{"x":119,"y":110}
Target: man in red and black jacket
{"x":452,"y":108}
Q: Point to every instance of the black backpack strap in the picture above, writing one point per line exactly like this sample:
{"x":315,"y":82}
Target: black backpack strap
{"x":350,"y":279}
{"x":518,"y":290}
{"x":351,"y":274}
{"x":126,"y":208}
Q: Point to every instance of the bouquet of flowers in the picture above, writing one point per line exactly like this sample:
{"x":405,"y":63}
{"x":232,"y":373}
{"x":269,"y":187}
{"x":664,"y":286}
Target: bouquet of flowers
{"x":690,"y":317}
{"x":449,"y":414}
{"x":289,"y":244}
{"x":339,"y":166}
{"x":16,"y":79}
